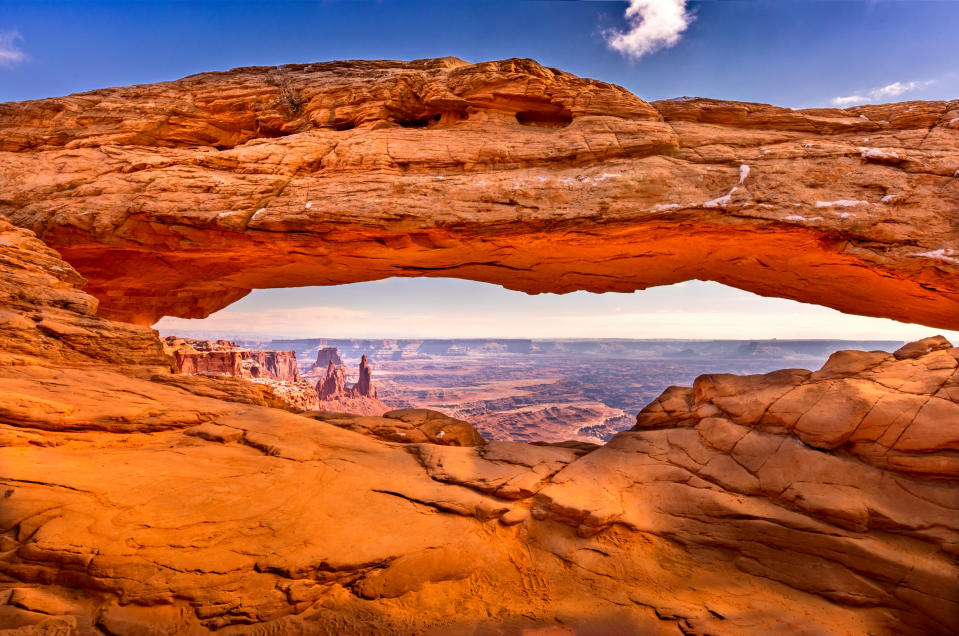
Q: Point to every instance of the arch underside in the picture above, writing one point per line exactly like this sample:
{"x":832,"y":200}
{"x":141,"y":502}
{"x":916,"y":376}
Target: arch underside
{"x":178,"y":198}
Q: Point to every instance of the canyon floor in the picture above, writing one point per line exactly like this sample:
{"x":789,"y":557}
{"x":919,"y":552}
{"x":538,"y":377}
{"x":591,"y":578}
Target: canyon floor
{"x":554,"y":390}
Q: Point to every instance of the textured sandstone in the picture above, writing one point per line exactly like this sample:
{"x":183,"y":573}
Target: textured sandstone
{"x":154,"y":504}
{"x":136,"y":501}
{"x":407,"y":426}
{"x":45,"y":316}
{"x":895,"y":411}
{"x":300,"y":395}
{"x":178,"y":198}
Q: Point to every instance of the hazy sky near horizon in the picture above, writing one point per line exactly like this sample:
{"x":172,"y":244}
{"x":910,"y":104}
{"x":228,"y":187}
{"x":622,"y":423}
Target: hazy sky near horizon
{"x":451,"y":308}
{"x":796,"y":53}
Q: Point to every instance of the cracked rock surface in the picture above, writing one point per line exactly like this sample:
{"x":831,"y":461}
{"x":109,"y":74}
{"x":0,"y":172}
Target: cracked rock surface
{"x":132,"y":502}
{"x":178,"y":198}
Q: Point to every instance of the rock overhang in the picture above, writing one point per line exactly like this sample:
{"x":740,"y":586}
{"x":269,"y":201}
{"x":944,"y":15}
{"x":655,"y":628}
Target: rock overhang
{"x":179,"y":198}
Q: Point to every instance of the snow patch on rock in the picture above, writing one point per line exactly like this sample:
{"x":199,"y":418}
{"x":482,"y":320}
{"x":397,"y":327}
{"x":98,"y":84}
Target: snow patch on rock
{"x":878,"y":153}
{"x":841,"y":203}
{"x":720,"y":201}
{"x":943,"y":254}
{"x":665,"y":207}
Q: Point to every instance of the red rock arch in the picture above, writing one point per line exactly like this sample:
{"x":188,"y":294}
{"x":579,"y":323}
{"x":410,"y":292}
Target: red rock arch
{"x":179,"y":198}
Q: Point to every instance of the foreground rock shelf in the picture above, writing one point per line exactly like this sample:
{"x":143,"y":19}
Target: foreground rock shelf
{"x":136,"y":501}
{"x":179,"y":198}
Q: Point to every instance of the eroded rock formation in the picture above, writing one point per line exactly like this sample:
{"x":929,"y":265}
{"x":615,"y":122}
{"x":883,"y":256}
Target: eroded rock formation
{"x":140,"y":501}
{"x":276,"y":370}
{"x":43,"y":312}
{"x":202,"y":189}
{"x":223,"y":357}
{"x":275,"y":365}
{"x":359,"y":399}
{"x":324,"y":357}
{"x":364,"y":385}
{"x":333,"y":385}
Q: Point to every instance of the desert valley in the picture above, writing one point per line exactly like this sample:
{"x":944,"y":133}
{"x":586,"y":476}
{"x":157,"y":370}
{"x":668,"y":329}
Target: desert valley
{"x":522,"y":390}
{"x":175,"y":485}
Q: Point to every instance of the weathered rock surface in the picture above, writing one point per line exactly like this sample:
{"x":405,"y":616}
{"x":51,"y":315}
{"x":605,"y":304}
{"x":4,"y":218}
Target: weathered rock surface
{"x":364,"y":385}
{"x":896,"y":411}
{"x":325,"y":356}
{"x":202,"y":189}
{"x":706,"y":527}
{"x":135,"y":501}
{"x":300,"y":395}
{"x":333,"y":385}
{"x":44,"y":315}
{"x":407,"y":426}
{"x":359,"y":399}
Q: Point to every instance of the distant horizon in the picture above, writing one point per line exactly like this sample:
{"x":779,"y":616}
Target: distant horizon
{"x":240,"y":337}
{"x":445,"y":308}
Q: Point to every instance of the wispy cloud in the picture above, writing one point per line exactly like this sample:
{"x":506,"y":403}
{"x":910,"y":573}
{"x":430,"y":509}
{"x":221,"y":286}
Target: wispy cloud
{"x":653,"y":25}
{"x":10,"y":52}
{"x":884,"y":93}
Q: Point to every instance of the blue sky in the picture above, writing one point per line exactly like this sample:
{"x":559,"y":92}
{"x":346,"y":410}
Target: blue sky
{"x":791,"y":53}
{"x":796,"y":53}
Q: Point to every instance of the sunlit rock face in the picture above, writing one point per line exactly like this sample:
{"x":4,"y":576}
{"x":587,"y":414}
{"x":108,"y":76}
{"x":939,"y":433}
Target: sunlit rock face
{"x":45,"y":315}
{"x":178,"y":198}
{"x":360,"y":398}
{"x":139,"y":501}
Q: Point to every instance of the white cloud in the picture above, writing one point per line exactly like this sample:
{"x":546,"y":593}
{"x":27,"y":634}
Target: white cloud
{"x":10,"y":53}
{"x":653,"y":25}
{"x":880,"y":94}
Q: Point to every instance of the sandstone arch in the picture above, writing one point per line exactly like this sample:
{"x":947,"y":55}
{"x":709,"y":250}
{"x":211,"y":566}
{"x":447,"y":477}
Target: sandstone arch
{"x":179,"y":198}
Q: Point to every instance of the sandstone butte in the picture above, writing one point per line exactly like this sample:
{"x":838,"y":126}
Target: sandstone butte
{"x":333,"y":396}
{"x":137,"y":501}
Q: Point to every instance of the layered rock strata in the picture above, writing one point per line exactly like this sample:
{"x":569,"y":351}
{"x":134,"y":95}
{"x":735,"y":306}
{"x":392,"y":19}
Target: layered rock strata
{"x":202,"y":189}
{"x":276,"y":370}
{"x":359,"y":399}
{"x":275,"y":365}
{"x":136,"y":501}
{"x":226,"y":358}
{"x":44,"y":315}
{"x":324,"y":357}
{"x":333,"y":385}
